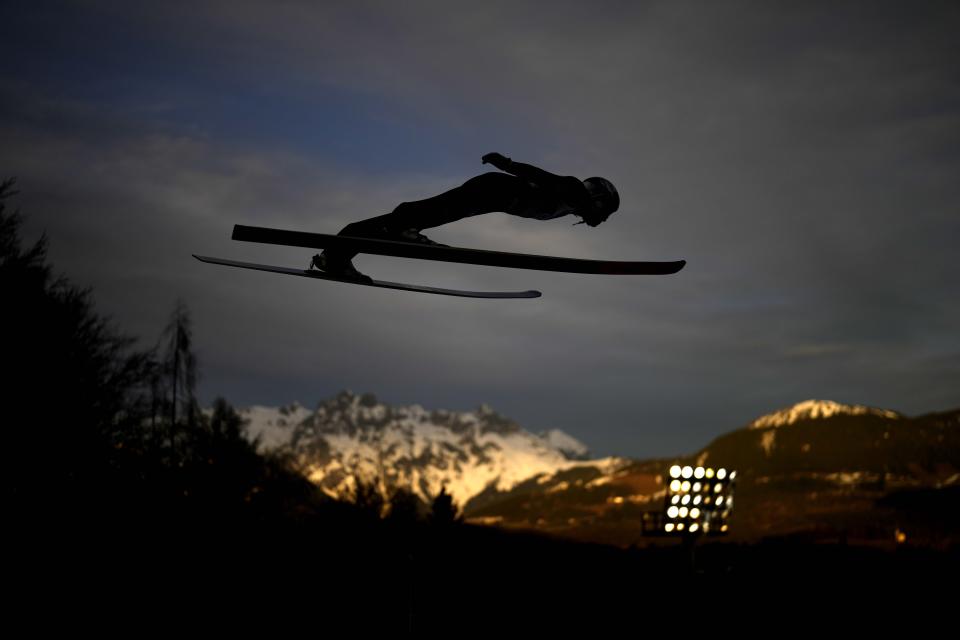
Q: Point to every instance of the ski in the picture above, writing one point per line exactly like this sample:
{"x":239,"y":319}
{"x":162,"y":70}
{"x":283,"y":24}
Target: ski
{"x":319,"y":275}
{"x":452,"y":254}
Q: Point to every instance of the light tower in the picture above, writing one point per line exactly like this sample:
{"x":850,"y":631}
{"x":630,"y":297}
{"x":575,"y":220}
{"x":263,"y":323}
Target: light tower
{"x":698,"y":501}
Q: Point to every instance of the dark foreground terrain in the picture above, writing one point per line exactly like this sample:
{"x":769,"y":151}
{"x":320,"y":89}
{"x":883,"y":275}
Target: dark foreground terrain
{"x":387,"y":576}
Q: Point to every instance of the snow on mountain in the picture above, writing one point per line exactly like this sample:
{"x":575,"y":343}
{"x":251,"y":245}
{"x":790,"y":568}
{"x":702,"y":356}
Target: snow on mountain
{"x":567,"y":444}
{"x":814,"y":409}
{"x":350,"y":437}
{"x":273,"y":426}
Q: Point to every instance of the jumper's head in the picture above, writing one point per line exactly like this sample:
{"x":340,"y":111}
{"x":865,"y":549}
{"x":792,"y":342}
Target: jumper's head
{"x":605,"y":200}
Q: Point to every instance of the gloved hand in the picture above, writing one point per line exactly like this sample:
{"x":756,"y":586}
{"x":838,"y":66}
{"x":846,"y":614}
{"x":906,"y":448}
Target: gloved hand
{"x":498,"y":160}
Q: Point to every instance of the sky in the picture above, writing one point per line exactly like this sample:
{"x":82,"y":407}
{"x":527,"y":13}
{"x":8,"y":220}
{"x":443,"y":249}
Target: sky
{"x":802,"y":157}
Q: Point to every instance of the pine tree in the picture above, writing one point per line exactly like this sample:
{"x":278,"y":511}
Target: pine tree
{"x":225,"y":422}
{"x":180,"y":369}
{"x":443,"y":511}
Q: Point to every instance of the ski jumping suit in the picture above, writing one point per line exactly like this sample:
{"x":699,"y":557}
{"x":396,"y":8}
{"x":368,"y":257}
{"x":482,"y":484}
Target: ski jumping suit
{"x":530,"y":192}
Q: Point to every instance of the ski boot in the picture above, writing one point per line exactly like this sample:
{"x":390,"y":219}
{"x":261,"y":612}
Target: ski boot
{"x":338,"y":267}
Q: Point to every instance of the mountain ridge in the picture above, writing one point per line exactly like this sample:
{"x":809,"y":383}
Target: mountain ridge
{"x":352,"y":437}
{"x":817,"y":465}
{"x":813,"y":410}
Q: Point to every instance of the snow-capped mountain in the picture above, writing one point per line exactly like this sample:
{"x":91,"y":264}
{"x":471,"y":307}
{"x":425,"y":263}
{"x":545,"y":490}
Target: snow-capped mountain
{"x":273,"y":426}
{"x":350,"y":437}
{"x":566,"y":444}
{"x":817,"y":467}
{"x":815,"y":409}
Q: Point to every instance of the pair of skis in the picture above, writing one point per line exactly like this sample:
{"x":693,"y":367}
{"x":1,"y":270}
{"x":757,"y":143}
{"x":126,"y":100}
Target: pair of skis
{"x":430,"y":252}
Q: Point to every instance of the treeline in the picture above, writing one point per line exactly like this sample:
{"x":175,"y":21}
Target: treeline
{"x":106,"y":444}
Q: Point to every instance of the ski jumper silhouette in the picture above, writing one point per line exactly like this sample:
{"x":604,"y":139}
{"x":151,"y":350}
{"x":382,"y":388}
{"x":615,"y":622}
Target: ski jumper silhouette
{"x":522,"y":190}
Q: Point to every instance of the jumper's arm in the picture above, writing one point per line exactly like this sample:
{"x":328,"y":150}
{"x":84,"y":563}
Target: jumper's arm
{"x":569,"y":187}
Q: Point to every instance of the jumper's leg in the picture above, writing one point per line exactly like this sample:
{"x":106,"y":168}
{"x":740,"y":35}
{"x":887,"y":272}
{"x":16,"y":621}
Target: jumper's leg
{"x":482,"y":194}
{"x":485,"y":193}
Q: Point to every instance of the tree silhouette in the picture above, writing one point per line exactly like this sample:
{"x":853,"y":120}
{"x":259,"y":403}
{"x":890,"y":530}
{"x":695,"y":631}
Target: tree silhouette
{"x":75,"y":385}
{"x":368,"y":499}
{"x":226,"y":423}
{"x":443,"y":511}
{"x":404,"y":508}
{"x":180,"y":368}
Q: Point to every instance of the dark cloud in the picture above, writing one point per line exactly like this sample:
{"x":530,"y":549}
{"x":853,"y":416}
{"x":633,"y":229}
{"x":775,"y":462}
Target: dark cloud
{"x":803,"y":159}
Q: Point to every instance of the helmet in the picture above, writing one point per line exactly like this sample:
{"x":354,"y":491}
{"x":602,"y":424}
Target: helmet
{"x":605,"y":198}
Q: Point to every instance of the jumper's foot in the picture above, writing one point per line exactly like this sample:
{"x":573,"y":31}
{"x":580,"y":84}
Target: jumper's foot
{"x":338,"y":267}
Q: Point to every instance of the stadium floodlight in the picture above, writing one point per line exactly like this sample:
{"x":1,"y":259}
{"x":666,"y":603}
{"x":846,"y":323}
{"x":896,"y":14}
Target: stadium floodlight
{"x":698,"y":501}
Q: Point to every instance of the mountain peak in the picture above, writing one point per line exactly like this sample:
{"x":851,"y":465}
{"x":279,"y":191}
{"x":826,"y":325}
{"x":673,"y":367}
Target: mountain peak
{"x":814,"y":410}
{"x":355,"y":436}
